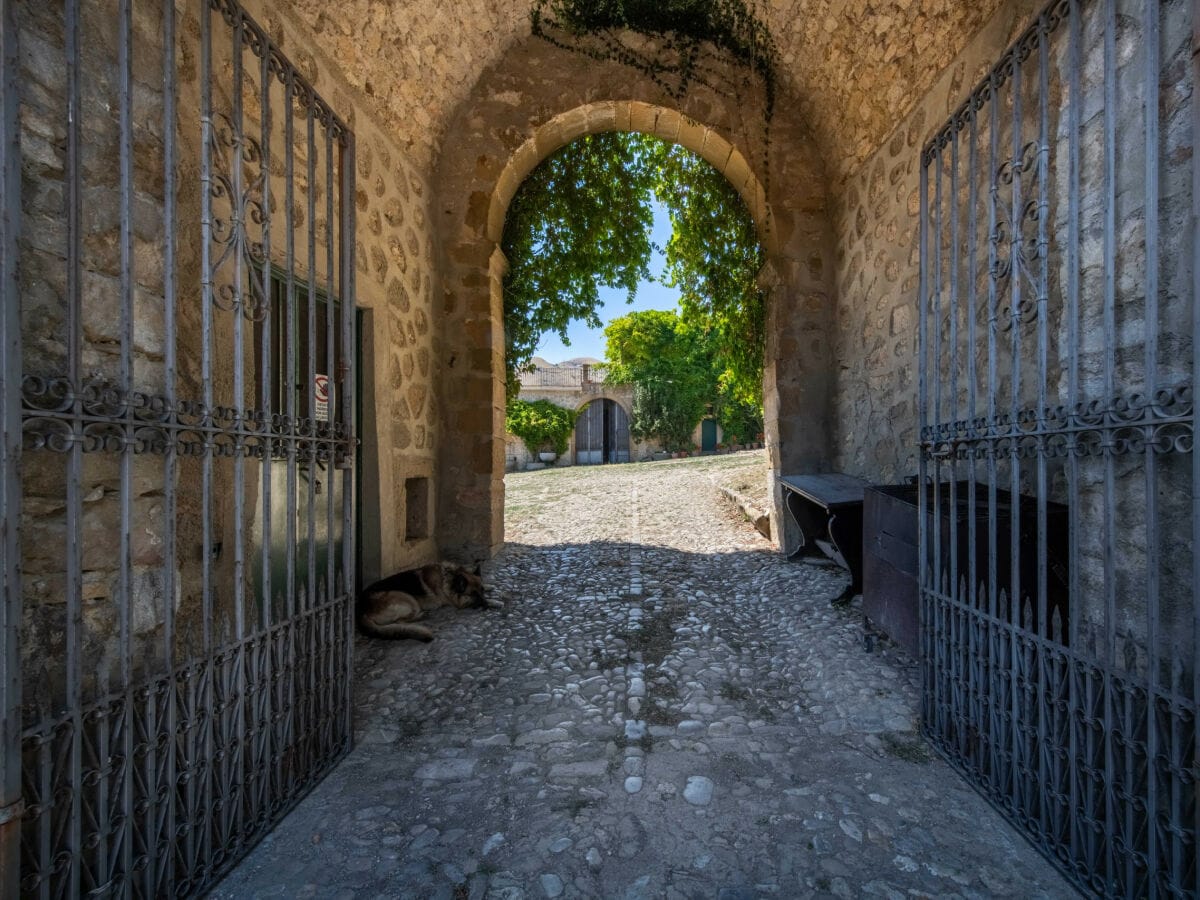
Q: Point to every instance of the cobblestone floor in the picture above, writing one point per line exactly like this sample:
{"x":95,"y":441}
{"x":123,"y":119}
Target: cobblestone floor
{"x":665,"y":708}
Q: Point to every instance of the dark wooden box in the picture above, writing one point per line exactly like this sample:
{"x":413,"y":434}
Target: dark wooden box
{"x":891,"y":590}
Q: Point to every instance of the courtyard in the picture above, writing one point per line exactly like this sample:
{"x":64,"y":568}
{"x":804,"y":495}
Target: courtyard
{"x":665,"y":708}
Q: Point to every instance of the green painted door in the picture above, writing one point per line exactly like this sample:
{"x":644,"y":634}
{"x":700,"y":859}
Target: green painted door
{"x":708,"y":434}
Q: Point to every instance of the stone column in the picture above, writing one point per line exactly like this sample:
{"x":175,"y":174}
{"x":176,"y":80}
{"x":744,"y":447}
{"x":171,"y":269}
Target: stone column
{"x":471,"y":491}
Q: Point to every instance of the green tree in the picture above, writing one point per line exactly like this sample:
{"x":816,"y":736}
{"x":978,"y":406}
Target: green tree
{"x":714,"y":258}
{"x":580,"y":220}
{"x":671,"y":371}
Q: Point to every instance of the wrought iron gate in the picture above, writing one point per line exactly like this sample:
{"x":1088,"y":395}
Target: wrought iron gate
{"x":1060,"y":511}
{"x":177,"y":278}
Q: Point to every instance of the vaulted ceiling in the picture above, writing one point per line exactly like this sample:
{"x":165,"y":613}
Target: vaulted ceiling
{"x":855,"y":67}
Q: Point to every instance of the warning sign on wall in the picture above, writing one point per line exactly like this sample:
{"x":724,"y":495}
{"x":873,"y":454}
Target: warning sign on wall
{"x":321,"y":411}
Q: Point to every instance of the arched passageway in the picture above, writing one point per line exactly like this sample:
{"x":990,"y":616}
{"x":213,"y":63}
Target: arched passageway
{"x":601,"y":434}
{"x":538,"y":100}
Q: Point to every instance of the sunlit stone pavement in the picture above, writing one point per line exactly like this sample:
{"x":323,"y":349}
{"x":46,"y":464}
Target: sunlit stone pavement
{"x":665,"y":708}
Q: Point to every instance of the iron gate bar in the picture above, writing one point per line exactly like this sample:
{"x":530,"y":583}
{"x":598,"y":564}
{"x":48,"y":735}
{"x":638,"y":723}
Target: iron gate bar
{"x":1150,"y":78}
{"x":132,"y":755}
{"x":1078,"y":836}
{"x":124,"y":838}
{"x":264,"y":747}
{"x":74,"y":625}
{"x":1176,"y":813}
{"x":160,"y":871}
{"x":1110,"y":390}
{"x":11,"y":803}
{"x":976,"y":690}
{"x":1091,"y":746}
{"x":347,"y":161}
{"x":1014,"y":798}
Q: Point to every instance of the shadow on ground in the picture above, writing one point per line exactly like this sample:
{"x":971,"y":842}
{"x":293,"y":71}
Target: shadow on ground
{"x":641,"y":721}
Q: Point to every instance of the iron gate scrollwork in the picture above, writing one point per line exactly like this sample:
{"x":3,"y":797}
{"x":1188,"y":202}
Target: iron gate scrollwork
{"x":178,"y":442}
{"x":1057,"y":363}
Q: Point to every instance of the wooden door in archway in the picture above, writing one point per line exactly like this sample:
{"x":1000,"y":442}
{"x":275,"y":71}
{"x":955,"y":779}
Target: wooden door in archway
{"x":601,"y":434}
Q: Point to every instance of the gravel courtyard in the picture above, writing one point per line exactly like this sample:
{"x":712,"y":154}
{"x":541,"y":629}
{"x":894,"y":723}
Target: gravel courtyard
{"x":665,"y":708}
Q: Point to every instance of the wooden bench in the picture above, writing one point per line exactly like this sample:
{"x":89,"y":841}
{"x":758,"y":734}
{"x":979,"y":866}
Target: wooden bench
{"x":828,"y":510}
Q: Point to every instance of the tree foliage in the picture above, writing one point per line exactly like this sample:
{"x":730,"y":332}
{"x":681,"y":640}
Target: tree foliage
{"x":582,"y":220}
{"x":669,"y":369}
{"x":714,"y":258}
{"x":542,"y":425}
{"x":677,"y":373}
{"x":579,"y":221}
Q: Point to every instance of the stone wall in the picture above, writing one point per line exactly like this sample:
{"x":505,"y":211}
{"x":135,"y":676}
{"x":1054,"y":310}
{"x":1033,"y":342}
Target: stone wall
{"x":877,"y":223}
{"x":848,"y":69}
{"x":395,"y":276}
{"x":878,"y":269}
{"x":49,"y":351}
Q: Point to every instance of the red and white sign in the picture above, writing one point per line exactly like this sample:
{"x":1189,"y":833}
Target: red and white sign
{"x":321,"y":394}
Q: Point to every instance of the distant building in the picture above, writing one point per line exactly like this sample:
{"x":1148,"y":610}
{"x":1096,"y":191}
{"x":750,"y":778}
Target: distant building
{"x":603,"y":412}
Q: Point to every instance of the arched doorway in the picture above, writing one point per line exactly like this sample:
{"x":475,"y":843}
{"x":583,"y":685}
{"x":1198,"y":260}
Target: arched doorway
{"x":479,"y":176}
{"x":601,"y":434}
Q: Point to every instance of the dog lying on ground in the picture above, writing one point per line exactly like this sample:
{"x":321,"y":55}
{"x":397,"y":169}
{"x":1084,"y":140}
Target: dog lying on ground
{"x":389,"y":608}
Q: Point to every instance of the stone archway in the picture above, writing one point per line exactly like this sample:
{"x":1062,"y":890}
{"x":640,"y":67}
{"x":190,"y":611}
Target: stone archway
{"x":538,"y":100}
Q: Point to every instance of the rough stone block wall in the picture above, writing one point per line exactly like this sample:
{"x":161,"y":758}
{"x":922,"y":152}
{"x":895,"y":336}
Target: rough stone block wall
{"x":878,"y":269}
{"x":393,"y":259}
{"x":849,"y":69}
{"x":44,"y":290}
{"x":395,"y":275}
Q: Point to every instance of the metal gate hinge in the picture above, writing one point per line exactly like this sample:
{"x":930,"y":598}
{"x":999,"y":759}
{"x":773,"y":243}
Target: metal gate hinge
{"x":12,"y":812}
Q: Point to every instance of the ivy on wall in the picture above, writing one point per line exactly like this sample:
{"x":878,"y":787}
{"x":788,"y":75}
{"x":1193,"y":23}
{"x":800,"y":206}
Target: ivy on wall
{"x":682,"y":29}
{"x":542,"y":425}
{"x":676,"y":44}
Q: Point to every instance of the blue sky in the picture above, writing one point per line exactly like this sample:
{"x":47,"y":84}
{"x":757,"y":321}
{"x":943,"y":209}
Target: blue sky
{"x":650,"y":295}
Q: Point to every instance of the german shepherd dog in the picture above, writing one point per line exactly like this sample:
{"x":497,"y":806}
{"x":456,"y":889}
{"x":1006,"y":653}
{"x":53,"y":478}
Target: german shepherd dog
{"x":389,"y":608}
